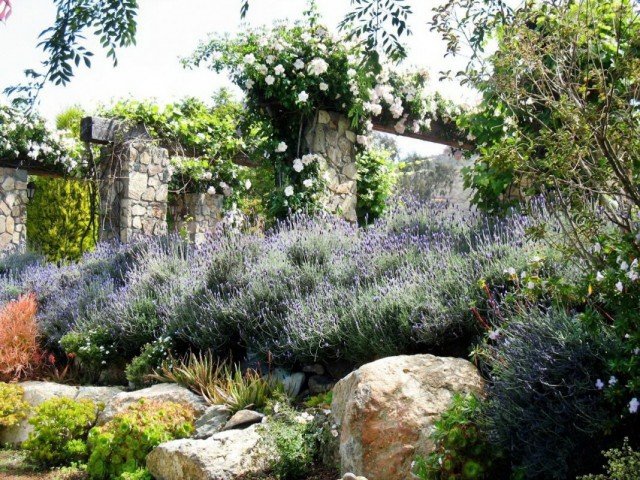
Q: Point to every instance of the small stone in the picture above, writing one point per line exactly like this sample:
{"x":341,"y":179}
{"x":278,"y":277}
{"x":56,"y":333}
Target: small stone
{"x":351,"y":136}
{"x":243,"y":419}
{"x":315,"y":368}
{"x":323,"y":117}
{"x":149,"y":195}
{"x":292,"y":382}
{"x":213,"y":421}
{"x":320,"y":384}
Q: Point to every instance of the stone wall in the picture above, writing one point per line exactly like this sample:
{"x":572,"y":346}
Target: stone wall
{"x":197,"y":214}
{"x":13,"y":207}
{"x":134,"y":191}
{"x":329,"y":136}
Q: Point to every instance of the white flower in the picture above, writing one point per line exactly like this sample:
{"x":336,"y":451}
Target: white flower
{"x":619,"y":286}
{"x":308,"y":183}
{"x":207,"y":175}
{"x":211,"y":190}
{"x":247,"y":184}
{"x":599,"y":384}
{"x":270,"y":59}
{"x":249,"y":59}
{"x":303,"y":96}
{"x":308,"y":159}
{"x":298,"y":64}
{"x":531,"y":285}
{"x":282,"y":147}
{"x":249,"y":84}
{"x":351,"y":72}
{"x":612,"y":381}
{"x":318,"y":66}
{"x":597,"y":248}
{"x":494,"y":334}
{"x":269,"y":79}
{"x":633,"y":405}
{"x":324,"y":87}
{"x":510,"y":271}
{"x":279,"y":70}
{"x":216,"y":56}
{"x":297,"y":165}
{"x":599,"y":277}
{"x":396,"y":109}
{"x":632,"y":275}
{"x":373,"y":108}
{"x":288,"y":191}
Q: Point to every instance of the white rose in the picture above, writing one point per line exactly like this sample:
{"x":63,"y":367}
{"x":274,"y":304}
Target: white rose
{"x":269,"y":79}
{"x":262,"y":69}
{"x":298,"y":64}
{"x":288,"y":191}
{"x":211,"y":190}
{"x":308,"y":183}
{"x":318,"y":66}
{"x":324,"y":87}
{"x":297,"y":165}
{"x":303,"y":96}
{"x":282,"y":147}
{"x":270,"y":59}
{"x":249,"y":59}
{"x":249,"y":84}
{"x":247,"y":184}
{"x":279,"y":70}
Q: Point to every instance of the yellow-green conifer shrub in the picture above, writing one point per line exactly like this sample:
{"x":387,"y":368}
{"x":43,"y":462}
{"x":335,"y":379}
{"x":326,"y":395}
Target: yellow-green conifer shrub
{"x":13,"y":408}
{"x":59,"y":218}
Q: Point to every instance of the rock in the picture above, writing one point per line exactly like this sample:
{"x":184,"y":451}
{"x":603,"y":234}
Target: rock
{"x":212,"y":421}
{"x":315,"y":368}
{"x":351,"y":476}
{"x":164,"y":392}
{"x":320,"y":384}
{"x":292,"y":382}
{"x":385,"y":411}
{"x":224,"y":456}
{"x":98,"y":394}
{"x":35,"y":393}
{"x":242,"y":419}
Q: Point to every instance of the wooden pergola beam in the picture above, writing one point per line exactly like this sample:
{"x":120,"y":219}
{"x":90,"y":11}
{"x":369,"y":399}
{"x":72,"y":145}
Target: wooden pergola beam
{"x":426,"y":137}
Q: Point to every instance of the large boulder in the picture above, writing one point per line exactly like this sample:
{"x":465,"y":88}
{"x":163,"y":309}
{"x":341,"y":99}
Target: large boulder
{"x":385,"y":411}
{"x":164,"y":392}
{"x":229,"y":455}
{"x":35,"y":393}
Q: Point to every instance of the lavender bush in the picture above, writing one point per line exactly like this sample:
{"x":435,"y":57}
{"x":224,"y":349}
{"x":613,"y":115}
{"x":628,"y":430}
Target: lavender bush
{"x":313,"y":288}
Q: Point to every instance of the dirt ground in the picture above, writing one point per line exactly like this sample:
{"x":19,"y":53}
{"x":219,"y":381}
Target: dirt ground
{"x":14,"y":467}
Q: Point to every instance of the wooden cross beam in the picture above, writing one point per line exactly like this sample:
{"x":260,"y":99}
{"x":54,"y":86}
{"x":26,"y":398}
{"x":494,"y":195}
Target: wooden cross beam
{"x":433,"y":136}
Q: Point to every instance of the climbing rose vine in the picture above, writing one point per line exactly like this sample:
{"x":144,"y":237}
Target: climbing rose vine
{"x":290,"y":71}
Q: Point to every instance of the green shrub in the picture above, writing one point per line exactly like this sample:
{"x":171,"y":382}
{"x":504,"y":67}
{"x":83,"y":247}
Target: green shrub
{"x":322,"y":400}
{"x":13,"y":408}
{"x":151,"y":357}
{"x":294,"y":438}
{"x":376,"y":177}
{"x":119,"y":447}
{"x":462,"y":451}
{"x":622,"y":464}
{"x":61,"y":426}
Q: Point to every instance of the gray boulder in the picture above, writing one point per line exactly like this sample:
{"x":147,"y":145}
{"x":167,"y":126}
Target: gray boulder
{"x":242,"y":419}
{"x":229,"y":455}
{"x":213,"y":421}
{"x":164,"y":392}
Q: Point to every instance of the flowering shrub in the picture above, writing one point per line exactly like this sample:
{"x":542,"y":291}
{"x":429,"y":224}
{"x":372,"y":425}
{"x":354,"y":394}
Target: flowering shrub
{"x":151,"y":357}
{"x":119,"y":447}
{"x":622,"y":464}
{"x":543,"y":405}
{"x":289,"y":72}
{"x":60,"y":429}
{"x":27,"y":137}
{"x":13,"y":408}
{"x":20,"y":355}
{"x":376,"y":177}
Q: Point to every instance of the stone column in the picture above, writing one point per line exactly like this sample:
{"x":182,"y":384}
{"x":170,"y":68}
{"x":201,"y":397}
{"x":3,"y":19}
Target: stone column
{"x":13,"y":207}
{"x":330,"y":137}
{"x":197,"y":214}
{"x":134,"y":191}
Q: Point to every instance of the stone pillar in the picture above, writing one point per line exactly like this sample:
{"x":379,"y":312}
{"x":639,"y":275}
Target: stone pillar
{"x":330,"y":137}
{"x":134,"y":191}
{"x":197,"y":214}
{"x":13,"y":207}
